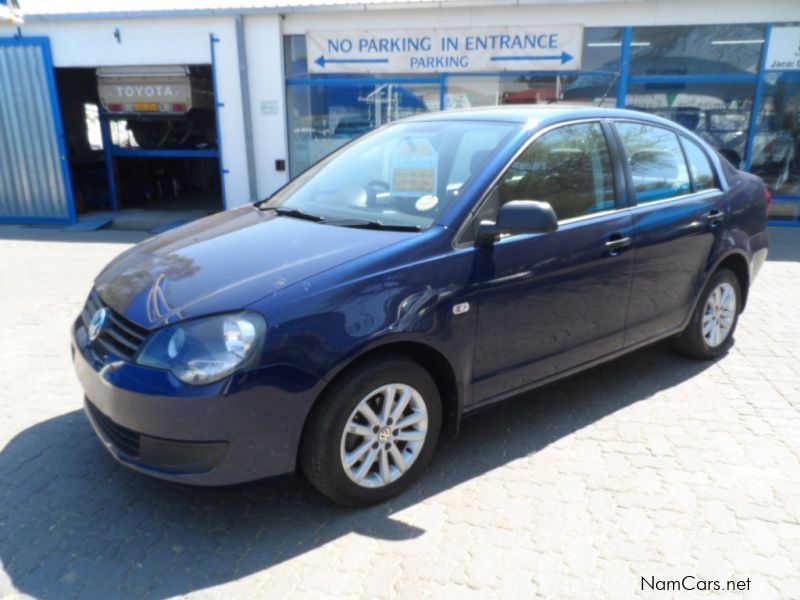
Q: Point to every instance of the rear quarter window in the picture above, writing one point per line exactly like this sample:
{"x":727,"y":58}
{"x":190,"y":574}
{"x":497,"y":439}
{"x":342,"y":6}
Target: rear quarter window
{"x":702,"y":173}
{"x":656,"y":162}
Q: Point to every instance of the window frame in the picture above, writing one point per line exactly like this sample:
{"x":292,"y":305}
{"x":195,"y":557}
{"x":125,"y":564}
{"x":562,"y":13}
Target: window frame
{"x":684,"y":139}
{"x":617,"y":173}
{"x":631,"y":188}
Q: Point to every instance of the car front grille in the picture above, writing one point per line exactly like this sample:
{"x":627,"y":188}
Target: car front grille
{"x":124,"y":439}
{"x":119,"y":335}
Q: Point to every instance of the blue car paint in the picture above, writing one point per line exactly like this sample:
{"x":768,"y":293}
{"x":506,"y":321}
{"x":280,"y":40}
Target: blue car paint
{"x":550,"y":301}
{"x":245,"y":252}
{"x":331,"y":294}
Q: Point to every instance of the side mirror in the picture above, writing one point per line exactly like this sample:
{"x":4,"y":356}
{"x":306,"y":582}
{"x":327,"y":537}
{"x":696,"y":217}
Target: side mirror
{"x":517,"y":217}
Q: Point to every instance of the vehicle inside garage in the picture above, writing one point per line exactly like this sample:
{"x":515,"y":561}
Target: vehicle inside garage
{"x":141,"y":138}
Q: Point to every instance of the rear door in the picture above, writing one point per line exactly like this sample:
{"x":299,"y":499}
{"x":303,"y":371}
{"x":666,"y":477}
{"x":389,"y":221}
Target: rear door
{"x":678,"y":217}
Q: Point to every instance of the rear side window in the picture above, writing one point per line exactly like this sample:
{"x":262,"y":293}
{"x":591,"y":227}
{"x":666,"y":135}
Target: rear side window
{"x":656,"y":162}
{"x":702,"y":173}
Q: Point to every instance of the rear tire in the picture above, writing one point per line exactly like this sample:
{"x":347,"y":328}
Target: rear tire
{"x":357,"y":449}
{"x":710,"y":330}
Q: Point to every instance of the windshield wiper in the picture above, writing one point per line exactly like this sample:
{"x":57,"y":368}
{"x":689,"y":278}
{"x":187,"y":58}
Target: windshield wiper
{"x":294,"y":212}
{"x":367,"y":224}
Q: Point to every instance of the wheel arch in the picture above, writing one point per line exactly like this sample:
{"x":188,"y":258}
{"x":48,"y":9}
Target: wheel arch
{"x":737,"y":263}
{"x":428,"y":357}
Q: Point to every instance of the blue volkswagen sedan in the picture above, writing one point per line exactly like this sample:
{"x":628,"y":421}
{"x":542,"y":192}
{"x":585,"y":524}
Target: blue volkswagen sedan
{"x":431,"y":268}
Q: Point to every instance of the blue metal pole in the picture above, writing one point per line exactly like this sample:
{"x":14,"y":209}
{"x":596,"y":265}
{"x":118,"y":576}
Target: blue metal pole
{"x":157,"y":153}
{"x":108,"y":157}
{"x":217,"y":105}
{"x":624,"y":66}
{"x":757,"y":99}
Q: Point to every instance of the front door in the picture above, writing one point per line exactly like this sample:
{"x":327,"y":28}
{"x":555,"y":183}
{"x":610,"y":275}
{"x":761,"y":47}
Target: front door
{"x":548,"y":302}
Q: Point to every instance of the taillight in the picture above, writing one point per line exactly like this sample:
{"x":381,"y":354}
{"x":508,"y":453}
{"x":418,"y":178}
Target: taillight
{"x":768,"y":194}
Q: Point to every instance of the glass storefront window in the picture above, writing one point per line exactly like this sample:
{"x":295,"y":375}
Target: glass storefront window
{"x":702,"y":77}
{"x":602,"y":47}
{"x":697,"y":50}
{"x":776,"y":150}
{"x":324,"y":117}
{"x":471,"y":91}
{"x":717,"y":112}
{"x":295,"y":56}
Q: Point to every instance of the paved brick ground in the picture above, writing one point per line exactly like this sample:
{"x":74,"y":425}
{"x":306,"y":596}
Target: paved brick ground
{"x":651,"y":466}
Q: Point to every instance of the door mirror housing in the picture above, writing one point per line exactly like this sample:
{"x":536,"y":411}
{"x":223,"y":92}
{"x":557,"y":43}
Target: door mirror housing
{"x":518,"y":217}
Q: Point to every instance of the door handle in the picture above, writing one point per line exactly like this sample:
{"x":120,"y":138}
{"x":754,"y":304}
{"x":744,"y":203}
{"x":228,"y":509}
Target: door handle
{"x":715,"y":215}
{"x":617,"y":242}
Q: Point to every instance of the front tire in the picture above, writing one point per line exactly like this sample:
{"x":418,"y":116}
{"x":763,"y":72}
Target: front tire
{"x":710,"y":330}
{"x":373,"y":431}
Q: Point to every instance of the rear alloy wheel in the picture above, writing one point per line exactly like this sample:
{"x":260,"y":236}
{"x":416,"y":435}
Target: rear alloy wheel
{"x":710,"y":331}
{"x":719,"y":314}
{"x":373,"y":432}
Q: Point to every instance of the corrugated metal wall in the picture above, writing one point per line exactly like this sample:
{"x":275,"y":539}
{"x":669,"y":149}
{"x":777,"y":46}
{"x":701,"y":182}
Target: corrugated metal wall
{"x":32,"y":180}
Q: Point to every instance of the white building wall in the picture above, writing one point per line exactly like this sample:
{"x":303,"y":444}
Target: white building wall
{"x":157,"y":41}
{"x":264,"y":45}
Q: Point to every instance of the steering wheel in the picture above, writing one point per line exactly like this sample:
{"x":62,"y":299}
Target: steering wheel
{"x":371,"y":188}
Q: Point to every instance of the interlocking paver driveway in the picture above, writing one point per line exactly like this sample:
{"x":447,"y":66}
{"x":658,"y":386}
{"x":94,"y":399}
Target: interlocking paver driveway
{"x":651,"y":466}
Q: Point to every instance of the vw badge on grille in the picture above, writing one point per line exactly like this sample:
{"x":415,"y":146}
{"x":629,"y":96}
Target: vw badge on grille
{"x":97,"y":323}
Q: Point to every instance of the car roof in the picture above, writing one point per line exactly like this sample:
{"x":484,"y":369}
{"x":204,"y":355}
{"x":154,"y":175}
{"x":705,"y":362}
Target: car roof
{"x":541,"y":114}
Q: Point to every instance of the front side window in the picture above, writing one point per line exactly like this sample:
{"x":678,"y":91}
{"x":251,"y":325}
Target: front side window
{"x":656,"y":162}
{"x":702,"y":173}
{"x":403,"y":175}
{"x":568,"y":167}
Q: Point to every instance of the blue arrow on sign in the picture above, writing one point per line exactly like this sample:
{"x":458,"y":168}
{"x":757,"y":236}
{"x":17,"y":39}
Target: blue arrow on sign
{"x":322,"y":61}
{"x":564,"y":57}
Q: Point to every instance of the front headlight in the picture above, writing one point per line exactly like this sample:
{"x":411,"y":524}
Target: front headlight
{"x":206,"y":350}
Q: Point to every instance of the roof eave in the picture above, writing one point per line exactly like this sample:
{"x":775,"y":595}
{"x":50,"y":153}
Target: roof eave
{"x":201,"y":12}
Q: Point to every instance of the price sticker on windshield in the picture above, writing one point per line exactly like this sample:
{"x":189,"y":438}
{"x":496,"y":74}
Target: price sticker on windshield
{"x":414,"y":165}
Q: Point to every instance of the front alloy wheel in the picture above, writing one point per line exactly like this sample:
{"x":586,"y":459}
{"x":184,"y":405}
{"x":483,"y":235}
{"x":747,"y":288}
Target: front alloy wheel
{"x":384,"y":435}
{"x":373,"y":431}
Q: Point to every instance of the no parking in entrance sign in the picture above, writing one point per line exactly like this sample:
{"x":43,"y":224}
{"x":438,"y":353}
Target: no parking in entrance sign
{"x":546,"y":48}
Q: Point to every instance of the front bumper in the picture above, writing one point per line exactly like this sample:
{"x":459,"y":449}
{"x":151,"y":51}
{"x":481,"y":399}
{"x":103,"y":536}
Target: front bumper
{"x":243,"y":428}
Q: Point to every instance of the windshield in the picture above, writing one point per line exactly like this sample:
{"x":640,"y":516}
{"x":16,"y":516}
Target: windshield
{"x":404,"y":175}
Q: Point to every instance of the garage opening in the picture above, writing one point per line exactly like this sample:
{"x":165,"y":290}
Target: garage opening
{"x":142,"y":140}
